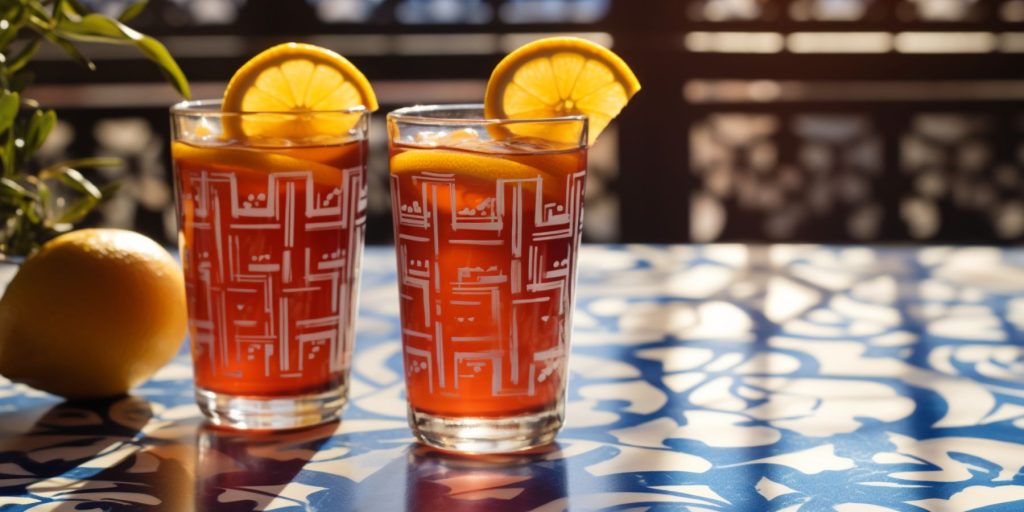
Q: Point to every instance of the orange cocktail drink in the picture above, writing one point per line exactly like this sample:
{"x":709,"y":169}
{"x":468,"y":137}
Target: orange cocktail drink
{"x":498,"y":287}
{"x":271,"y":258}
{"x":271,"y":197}
{"x":487,"y":233}
{"x":487,"y":202}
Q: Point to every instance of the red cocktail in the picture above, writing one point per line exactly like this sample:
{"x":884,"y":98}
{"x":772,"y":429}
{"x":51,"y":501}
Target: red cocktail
{"x":487,"y":232}
{"x":271,"y":239}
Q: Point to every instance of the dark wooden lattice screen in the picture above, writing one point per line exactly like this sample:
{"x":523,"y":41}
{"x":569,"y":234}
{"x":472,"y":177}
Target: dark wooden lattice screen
{"x":760,"y":120}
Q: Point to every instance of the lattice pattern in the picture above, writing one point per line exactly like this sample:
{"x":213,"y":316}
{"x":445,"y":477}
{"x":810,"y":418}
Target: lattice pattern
{"x":745,"y":177}
{"x":285,"y":256}
{"x":850,"y":10}
{"x":955,"y":171}
{"x":509,"y":255}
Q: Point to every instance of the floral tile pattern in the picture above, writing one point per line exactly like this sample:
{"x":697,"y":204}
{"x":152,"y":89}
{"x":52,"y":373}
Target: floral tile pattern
{"x":719,"y":377}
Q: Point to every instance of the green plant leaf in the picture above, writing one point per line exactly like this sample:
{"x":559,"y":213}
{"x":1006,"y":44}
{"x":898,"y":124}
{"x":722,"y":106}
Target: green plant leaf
{"x":92,"y":162}
{"x":7,"y":155}
{"x":30,"y":210}
{"x":24,"y":56}
{"x":35,"y":8}
{"x":40,"y":125}
{"x":37,"y":205}
{"x":42,"y":23}
{"x":43,"y":192}
{"x":70,"y":9}
{"x":89,"y":196}
{"x":74,"y":179}
{"x":9,"y":104}
{"x":13,"y":192}
{"x":77,"y":210}
{"x":132,"y":11}
{"x":99,"y":28}
{"x":15,"y":17}
{"x":109,"y":190}
{"x":68,"y":47}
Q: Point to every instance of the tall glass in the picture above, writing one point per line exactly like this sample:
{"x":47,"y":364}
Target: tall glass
{"x":488,"y":216}
{"x":271,"y":232}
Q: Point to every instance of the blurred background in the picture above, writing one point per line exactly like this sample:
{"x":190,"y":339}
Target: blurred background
{"x":759,"y":120}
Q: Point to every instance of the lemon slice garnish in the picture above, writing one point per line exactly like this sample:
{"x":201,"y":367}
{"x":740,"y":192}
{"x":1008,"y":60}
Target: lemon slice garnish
{"x":242,"y":159}
{"x":461,"y":163}
{"x":314,"y":86}
{"x":555,"y":77}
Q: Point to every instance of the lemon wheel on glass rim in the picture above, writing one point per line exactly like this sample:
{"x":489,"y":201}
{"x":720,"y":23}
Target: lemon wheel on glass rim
{"x":319,"y":93}
{"x":556,"y":77}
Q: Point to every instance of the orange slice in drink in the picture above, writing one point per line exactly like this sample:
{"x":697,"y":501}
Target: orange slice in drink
{"x":559,"y":76}
{"x":238,"y":159}
{"x":485,"y":168}
{"x":552,"y":168}
{"x":461,"y":163}
{"x":296,"y":91}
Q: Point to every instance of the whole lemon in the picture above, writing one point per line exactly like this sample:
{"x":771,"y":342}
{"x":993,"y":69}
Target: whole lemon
{"x":93,"y":313}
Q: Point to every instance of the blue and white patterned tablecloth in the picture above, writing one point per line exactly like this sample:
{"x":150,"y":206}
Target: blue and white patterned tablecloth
{"x":703,"y":378}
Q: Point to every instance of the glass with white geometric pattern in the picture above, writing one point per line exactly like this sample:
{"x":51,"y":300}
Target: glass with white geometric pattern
{"x":271,"y":233}
{"x":487,"y":216}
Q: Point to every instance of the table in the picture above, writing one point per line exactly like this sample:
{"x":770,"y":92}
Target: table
{"x":718,"y":377}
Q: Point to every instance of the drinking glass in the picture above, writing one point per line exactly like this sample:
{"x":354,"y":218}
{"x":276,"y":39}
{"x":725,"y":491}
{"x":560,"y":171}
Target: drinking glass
{"x":487,"y":218}
{"x":271,"y":232}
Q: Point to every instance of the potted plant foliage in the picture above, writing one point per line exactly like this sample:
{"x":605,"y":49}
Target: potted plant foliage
{"x":37,"y":203}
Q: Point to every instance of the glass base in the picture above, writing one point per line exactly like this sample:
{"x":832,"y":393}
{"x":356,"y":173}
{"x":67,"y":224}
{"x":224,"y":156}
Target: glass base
{"x":270,"y":413}
{"x":487,"y":435}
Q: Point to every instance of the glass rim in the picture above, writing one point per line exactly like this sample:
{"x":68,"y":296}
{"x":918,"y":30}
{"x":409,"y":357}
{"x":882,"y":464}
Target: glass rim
{"x":420,"y":114}
{"x":211,"y":108}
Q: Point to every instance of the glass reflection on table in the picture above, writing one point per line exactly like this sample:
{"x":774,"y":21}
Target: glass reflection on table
{"x":236,"y":468}
{"x":460,"y":483}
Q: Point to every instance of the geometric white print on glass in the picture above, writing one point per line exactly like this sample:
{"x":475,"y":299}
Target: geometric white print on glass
{"x":271,"y":234}
{"x":487,"y":229}
{"x":283,"y":252}
{"x":466,"y":323}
